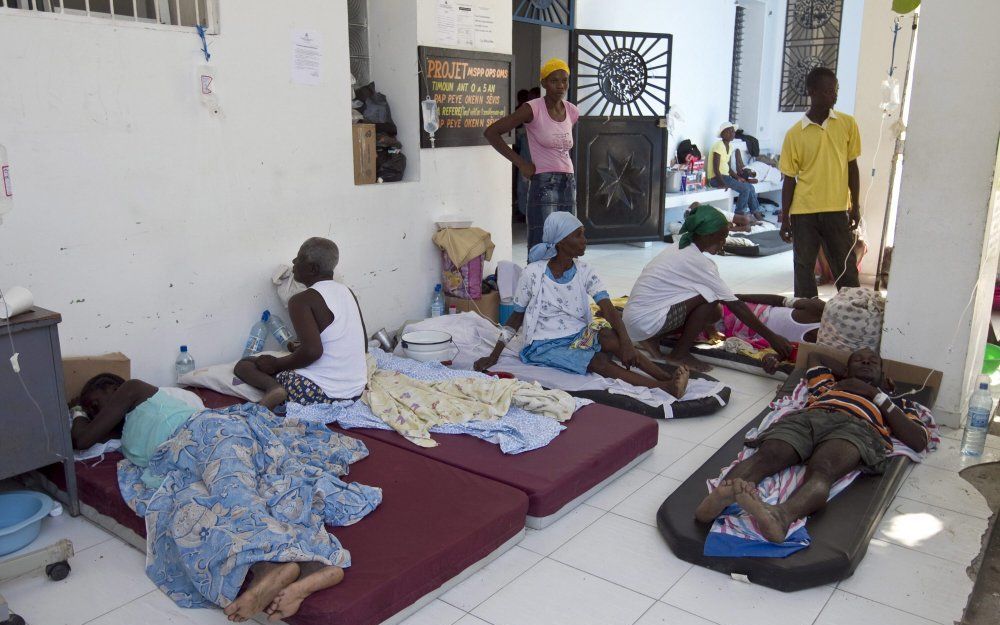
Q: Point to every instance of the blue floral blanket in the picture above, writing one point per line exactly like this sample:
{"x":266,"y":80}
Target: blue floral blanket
{"x":242,"y":486}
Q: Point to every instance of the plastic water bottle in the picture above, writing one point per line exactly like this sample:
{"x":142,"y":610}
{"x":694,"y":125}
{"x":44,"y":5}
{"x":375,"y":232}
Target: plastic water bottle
{"x":278,"y":329}
{"x":978,"y":423}
{"x":258,"y":336}
{"x":184,"y":363}
{"x":437,"y":303}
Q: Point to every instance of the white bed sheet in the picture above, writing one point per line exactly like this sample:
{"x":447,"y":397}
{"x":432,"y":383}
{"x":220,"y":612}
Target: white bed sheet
{"x":474,"y":337}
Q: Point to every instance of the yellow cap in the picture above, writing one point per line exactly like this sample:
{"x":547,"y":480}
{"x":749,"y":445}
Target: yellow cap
{"x":553,"y":65}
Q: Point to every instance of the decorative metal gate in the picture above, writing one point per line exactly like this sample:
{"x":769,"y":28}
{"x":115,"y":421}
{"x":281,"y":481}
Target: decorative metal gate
{"x":621,"y":83}
{"x":553,"y":13}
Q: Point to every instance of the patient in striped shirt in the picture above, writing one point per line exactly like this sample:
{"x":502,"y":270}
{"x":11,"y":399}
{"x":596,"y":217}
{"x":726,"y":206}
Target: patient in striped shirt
{"x":848,"y":423}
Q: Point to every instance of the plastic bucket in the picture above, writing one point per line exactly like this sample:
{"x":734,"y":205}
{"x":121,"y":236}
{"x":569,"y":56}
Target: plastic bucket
{"x":21,"y":514}
{"x":991,"y":359}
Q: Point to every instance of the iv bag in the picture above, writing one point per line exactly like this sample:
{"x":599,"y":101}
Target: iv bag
{"x":6,"y":186}
{"x":430,"y":113}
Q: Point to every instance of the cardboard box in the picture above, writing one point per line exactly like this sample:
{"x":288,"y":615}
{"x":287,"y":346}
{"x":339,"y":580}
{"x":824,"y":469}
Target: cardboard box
{"x":78,"y":369}
{"x":487,"y":306}
{"x":898,"y":371}
{"x":364,"y":153}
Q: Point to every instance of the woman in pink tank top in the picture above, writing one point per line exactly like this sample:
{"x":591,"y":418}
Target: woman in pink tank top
{"x":549,"y":122}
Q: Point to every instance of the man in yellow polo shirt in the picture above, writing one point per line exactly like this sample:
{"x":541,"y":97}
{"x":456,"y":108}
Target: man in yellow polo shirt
{"x":819,"y":200}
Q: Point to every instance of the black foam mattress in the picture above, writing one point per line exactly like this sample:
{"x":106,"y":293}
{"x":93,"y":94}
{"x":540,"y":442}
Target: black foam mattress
{"x":681,"y":409}
{"x":840,"y":532}
{"x":764,"y":244}
{"x":722,"y":356}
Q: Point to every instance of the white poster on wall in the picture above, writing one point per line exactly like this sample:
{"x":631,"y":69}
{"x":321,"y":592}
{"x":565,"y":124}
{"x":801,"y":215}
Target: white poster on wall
{"x":307,"y":57}
{"x":485,"y":24}
{"x":447,"y":22}
{"x":467,"y":24}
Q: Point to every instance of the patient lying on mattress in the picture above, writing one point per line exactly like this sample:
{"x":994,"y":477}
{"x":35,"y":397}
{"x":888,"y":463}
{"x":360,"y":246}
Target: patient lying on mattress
{"x":848,"y":424}
{"x":229,"y":492}
{"x":552,"y":306}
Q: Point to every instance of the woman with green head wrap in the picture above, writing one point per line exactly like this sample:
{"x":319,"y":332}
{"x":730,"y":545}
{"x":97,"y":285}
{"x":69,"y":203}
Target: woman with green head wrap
{"x":681,"y":291}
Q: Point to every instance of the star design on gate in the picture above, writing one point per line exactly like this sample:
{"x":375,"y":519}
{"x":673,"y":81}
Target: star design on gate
{"x":621,"y":183}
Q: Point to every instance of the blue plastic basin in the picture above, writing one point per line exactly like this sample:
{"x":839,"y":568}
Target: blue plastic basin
{"x":21,"y":514}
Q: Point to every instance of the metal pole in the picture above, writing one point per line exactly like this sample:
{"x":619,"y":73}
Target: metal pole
{"x":896,"y":154}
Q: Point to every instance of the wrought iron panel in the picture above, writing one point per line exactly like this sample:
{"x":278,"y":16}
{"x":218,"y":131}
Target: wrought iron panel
{"x":621,"y":74}
{"x":552,"y":13}
{"x":620,"y":164}
{"x":812,"y":39}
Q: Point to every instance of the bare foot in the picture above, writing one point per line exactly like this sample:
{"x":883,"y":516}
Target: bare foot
{"x":288,"y":600}
{"x":678,"y":382}
{"x":274,"y":398}
{"x":690,"y":362}
{"x":770,"y":521}
{"x":715,"y":502}
{"x":268,"y":580}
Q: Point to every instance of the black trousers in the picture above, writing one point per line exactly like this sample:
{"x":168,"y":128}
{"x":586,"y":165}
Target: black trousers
{"x":832,"y":232}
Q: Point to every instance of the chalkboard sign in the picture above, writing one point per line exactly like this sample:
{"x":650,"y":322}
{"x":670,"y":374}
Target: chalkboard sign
{"x":472,"y":90}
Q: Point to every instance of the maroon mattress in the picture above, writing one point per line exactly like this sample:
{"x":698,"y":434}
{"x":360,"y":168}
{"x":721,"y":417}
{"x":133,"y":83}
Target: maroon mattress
{"x":435,"y":521}
{"x":598,"y":441}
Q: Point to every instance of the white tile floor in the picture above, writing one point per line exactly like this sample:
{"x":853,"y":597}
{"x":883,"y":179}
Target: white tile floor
{"x":605,"y":563}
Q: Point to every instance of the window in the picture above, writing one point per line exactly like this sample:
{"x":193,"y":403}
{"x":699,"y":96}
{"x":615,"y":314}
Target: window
{"x":734,"y":92}
{"x":357,"y":24}
{"x":165,"y":12}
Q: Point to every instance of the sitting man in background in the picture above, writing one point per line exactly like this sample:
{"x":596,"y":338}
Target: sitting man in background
{"x":328,"y":364}
{"x":721,"y":176}
{"x":847,"y":424}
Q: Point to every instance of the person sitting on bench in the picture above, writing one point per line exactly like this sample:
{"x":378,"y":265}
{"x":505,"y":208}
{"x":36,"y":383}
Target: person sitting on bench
{"x":848,"y":423}
{"x":328,"y":364}
{"x":681,"y":289}
{"x":552,"y":303}
{"x":747,"y":208}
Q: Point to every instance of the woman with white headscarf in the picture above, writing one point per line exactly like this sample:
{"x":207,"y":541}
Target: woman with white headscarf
{"x":552,"y":307}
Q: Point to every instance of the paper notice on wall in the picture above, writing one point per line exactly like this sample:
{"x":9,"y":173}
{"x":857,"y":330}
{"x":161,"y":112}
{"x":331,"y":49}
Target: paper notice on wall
{"x":447,"y":22}
{"x":468,"y":24}
{"x":307,"y":57}
{"x":484,"y":25}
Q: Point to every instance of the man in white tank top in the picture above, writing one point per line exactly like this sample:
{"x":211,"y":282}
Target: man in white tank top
{"x":794,"y":319}
{"x":328,"y":363}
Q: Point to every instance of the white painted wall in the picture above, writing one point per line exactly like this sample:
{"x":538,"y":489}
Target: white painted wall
{"x":554,"y":44}
{"x":149,"y":223}
{"x":932,"y":318}
{"x":772,"y":123}
{"x":754,"y":20}
{"x":702,"y":54}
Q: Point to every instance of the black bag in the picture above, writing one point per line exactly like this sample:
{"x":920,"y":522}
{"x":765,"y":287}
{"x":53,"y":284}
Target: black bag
{"x":376,"y":109}
{"x":390,"y":162}
{"x":753,"y":145}
{"x":684,"y":148}
{"x":391,"y":168}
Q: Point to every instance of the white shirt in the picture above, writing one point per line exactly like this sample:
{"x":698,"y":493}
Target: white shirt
{"x":674,"y":276}
{"x":553,"y":310}
{"x":342,"y":370}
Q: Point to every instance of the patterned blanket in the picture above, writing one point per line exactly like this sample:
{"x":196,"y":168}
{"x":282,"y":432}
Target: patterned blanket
{"x":242,"y":486}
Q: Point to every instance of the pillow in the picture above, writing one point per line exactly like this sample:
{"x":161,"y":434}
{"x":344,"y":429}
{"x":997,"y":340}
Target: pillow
{"x":184,"y":395}
{"x":220,"y":378}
